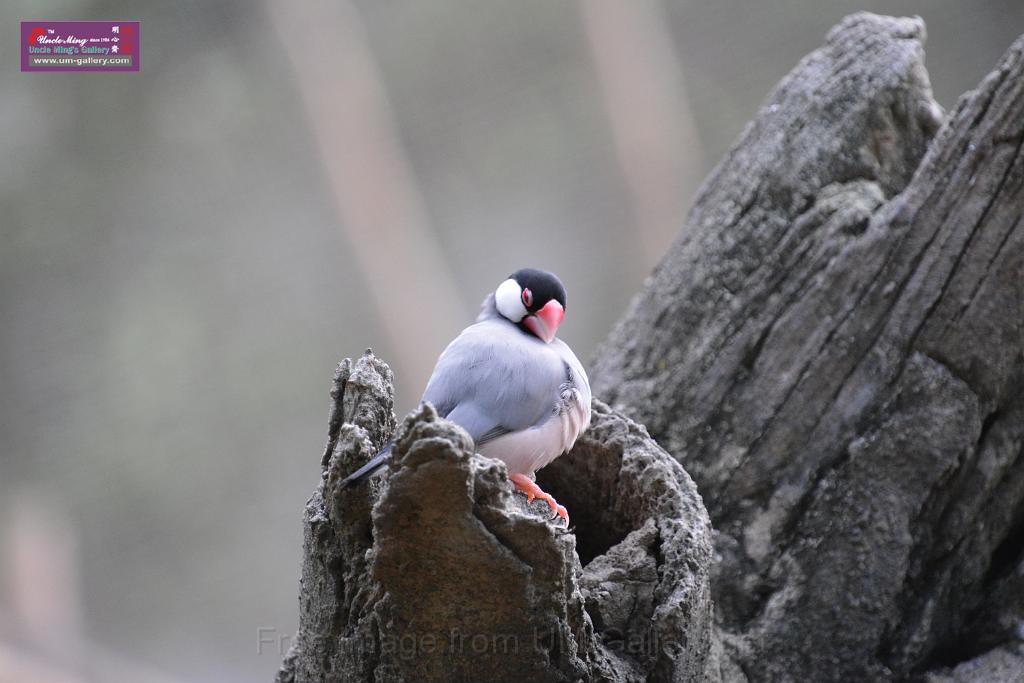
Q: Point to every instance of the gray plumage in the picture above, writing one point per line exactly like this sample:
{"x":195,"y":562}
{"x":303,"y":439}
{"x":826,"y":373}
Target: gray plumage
{"x":522,"y":401}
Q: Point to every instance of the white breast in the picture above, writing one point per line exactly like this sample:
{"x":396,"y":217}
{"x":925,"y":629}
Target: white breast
{"x":529,"y":450}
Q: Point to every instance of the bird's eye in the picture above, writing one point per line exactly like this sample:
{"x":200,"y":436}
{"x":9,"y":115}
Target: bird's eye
{"x":527,"y":297}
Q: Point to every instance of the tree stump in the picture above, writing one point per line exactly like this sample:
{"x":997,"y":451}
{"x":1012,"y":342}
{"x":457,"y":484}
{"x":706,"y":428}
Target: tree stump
{"x":437,"y":571}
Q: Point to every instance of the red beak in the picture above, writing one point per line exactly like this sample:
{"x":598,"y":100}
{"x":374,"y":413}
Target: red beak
{"x":544,"y":323}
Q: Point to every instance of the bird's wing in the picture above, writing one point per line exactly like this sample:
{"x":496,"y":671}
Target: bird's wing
{"x":493,"y":379}
{"x":576,"y":375}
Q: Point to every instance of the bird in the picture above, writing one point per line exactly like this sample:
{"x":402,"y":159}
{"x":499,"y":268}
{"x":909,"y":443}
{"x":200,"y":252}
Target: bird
{"x":511,"y":383}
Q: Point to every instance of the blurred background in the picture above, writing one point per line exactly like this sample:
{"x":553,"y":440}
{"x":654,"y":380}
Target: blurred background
{"x":187,"y":252}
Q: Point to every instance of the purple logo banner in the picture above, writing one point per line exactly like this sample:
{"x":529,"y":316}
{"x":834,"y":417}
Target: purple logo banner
{"x":80,"y":46}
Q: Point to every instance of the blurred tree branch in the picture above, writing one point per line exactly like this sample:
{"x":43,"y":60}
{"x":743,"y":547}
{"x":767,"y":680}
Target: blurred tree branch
{"x":379,"y":205}
{"x":655,"y":136}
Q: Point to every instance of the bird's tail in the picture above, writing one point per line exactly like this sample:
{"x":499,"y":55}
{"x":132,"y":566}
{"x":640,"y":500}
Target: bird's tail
{"x":364,"y":472}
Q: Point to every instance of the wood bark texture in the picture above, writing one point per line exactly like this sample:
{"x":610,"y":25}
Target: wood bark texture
{"x":437,"y":571}
{"x":834,"y":349}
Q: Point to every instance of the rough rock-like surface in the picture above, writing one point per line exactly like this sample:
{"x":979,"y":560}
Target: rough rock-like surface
{"x":834,"y":348}
{"x":436,"y":571}
{"x":1002,"y":665}
{"x":645,"y":537}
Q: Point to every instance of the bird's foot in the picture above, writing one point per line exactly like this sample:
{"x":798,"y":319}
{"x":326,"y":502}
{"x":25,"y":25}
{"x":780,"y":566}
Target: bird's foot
{"x":529,"y":487}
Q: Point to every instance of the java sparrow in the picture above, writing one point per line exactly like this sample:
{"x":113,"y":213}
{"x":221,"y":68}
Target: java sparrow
{"x":518,"y":390}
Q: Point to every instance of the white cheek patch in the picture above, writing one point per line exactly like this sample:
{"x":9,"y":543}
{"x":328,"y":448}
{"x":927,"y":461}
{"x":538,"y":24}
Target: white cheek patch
{"x":508,"y":299}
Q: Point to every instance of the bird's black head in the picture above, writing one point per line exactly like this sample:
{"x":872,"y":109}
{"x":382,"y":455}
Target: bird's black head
{"x":533,"y":299}
{"x":543,"y":287}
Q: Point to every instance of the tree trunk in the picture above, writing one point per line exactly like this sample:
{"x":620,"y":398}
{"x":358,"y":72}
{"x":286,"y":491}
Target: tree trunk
{"x":834,"y":348}
{"x":441,"y":573}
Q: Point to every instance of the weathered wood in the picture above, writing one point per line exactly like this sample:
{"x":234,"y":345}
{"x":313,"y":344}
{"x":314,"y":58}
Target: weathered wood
{"x":438,"y":572}
{"x":834,"y":349}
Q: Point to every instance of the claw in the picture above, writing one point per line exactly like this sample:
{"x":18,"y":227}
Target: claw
{"x":532,"y":491}
{"x":559,"y":511}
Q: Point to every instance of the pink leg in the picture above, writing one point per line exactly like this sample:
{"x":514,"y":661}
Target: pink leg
{"x":530,"y":488}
